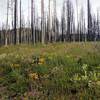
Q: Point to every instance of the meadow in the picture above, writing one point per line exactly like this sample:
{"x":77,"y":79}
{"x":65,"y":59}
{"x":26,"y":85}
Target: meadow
{"x":57,"y":71}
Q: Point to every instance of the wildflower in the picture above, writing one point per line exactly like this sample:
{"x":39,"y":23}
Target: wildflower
{"x":46,"y":76}
{"x":50,"y":57}
{"x":76,"y":77}
{"x":68,"y":56}
{"x":33,"y":76}
{"x":17,"y":56}
{"x":15,"y":65}
{"x":41,"y":61}
{"x":98,"y":83}
{"x":84,"y":67}
{"x":55,"y":70}
{"x":33,"y":61}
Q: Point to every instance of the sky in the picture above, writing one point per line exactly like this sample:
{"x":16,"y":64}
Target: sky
{"x":81,"y":3}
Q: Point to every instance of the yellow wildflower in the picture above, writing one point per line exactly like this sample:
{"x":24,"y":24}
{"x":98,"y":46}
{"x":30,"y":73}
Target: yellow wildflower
{"x":41,"y":61}
{"x":15,"y":65}
{"x":33,"y":76}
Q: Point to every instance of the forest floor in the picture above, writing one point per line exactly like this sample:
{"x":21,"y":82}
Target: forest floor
{"x":57,"y":71}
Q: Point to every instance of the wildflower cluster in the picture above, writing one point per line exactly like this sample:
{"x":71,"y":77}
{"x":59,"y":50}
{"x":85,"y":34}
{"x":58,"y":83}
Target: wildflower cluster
{"x":41,"y":61}
{"x":33,"y":76}
{"x":38,"y":60}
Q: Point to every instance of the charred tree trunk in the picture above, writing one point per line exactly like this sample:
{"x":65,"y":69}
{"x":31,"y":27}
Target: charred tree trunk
{"x":20,"y":24}
{"x":15,"y":22}
{"x":33,"y":21}
{"x":90,"y":34}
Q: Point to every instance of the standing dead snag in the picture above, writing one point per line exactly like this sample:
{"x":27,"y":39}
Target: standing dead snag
{"x":63,"y":23}
{"x":7,"y":24}
{"x":55,"y":20}
{"x":49,"y":28}
{"x":32,"y":18}
{"x":20,"y":24}
{"x":42,"y":22}
{"x":15,"y":22}
{"x":32,"y":21}
{"x":90,"y":34}
{"x":69,"y":19}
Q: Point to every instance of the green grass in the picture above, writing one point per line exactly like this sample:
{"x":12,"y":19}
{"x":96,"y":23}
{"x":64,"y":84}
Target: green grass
{"x":57,"y":71}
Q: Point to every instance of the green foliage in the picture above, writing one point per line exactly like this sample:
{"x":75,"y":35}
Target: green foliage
{"x":50,"y":70}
